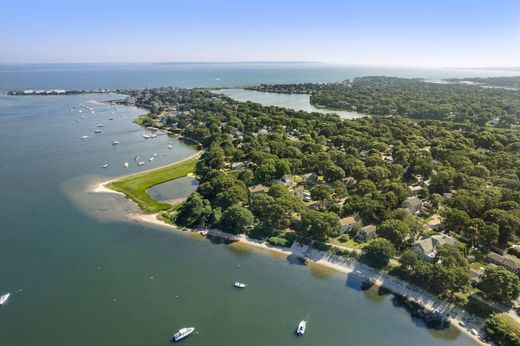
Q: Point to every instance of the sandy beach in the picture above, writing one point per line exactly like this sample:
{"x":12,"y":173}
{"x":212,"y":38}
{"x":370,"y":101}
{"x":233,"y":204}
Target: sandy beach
{"x":345,"y":266}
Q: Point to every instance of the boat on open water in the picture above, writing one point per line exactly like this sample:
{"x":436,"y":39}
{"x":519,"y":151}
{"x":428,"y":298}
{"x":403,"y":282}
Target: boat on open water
{"x":182,"y":333}
{"x":301,"y":328}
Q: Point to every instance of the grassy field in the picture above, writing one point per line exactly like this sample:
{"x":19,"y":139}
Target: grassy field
{"x":135,"y":186}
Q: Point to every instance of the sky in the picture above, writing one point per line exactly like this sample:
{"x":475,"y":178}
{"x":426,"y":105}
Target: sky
{"x":427,"y":33}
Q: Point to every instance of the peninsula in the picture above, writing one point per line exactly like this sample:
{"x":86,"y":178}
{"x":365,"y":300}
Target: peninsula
{"x":432,"y":203}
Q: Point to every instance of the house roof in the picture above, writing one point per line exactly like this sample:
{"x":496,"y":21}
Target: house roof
{"x":347,"y":220}
{"x":368,"y":229}
{"x":309,"y":175}
{"x":258,"y":188}
{"x":412,"y":202}
{"x":506,"y":260}
{"x":429,"y":245}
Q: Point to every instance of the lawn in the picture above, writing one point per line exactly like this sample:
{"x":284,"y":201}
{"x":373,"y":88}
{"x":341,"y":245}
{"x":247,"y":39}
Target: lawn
{"x":478,"y":266}
{"x":135,"y":186}
{"x":351,"y":243}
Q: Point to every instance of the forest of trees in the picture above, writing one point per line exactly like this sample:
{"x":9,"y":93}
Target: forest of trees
{"x":503,"y":82}
{"x":479,"y":168}
{"x":414,"y":98}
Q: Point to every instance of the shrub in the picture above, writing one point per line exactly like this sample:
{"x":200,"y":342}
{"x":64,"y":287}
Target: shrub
{"x":278,"y":241}
{"x":503,"y":330}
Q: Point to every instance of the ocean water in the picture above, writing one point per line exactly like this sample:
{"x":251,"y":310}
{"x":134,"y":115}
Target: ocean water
{"x":82,"y":272}
{"x":91,"y":76}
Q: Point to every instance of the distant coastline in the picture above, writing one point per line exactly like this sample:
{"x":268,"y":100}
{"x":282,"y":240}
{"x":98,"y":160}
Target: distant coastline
{"x":41,"y":92}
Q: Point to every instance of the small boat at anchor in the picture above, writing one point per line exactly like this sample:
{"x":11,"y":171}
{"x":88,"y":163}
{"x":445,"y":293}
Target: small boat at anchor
{"x":97,"y":131}
{"x":84,"y":137}
{"x":170,"y":146}
{"x":151,"y":158}
{"x":4,"y":298}
{"x":182,"y":333}
{"x":301,"y":328}
{"x":115,"y":142}
{"x":125,"y":164}
{"x":239,"y":285}
{"x":105,"y":165}
{"x":140,"y":163}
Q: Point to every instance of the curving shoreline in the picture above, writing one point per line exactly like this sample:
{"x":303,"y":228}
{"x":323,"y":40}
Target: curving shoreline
{"x":349,"y":267}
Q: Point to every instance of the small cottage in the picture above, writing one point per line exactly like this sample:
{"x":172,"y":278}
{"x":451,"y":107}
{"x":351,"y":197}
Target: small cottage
{"x":366,"y":233}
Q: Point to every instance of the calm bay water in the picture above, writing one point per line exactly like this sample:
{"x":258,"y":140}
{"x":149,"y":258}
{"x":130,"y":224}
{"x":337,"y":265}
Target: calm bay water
{"x":82,"y":273}
{"x":295,"y":101}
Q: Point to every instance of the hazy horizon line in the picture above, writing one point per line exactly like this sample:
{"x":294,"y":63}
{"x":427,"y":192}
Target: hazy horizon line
{"x":195,"y":62}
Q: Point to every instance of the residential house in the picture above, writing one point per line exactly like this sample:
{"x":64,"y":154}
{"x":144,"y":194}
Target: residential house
{"x":435,"y":223}
{"x":412,"y":204}
{"x":347,"y":223}
{"x":366,"y":233}
{"x":349,"y":181}
{"x":236,"y":166}
{"x":511,"y":263}
{"x":387,"y":159}
{"x":288,"y":179}
{"x":254,"y":190}
{"x":426,"y":248}
{"x":415,"y":189}
{"x":310,"y":178}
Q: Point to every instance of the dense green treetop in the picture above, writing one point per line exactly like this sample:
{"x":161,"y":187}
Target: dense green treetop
{"x":415,"y":98}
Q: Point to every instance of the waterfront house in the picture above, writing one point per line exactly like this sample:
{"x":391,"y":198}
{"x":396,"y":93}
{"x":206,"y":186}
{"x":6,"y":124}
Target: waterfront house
{"x":347,"y":223}
{"x":366,"y":233}
{"x":511,"y":263}
{"x":412,"y":204}
{"x":426,"y":248}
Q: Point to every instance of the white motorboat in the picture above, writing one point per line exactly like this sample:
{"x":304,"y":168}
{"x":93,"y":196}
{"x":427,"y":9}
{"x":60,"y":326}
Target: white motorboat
{"x":97,"y":131}
{"x":136,"y":158}
{"x":4,"y":298}
{"x":105,"y":165}
{"x":100,"y":125}
{"x":301,"y":328}
{"x":153,"y":135}
{"x":125,"y":164}
{"x":140,"y":163}
{"x":151,"y":158}
{"x":155,"y":155}
{"x":239,"y":284}
{"x":115,"y":142}
{"x":182,"y":333}
{"x":147,"y":136}
{"x":84,"y":137}
{"x":170,"y":146}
